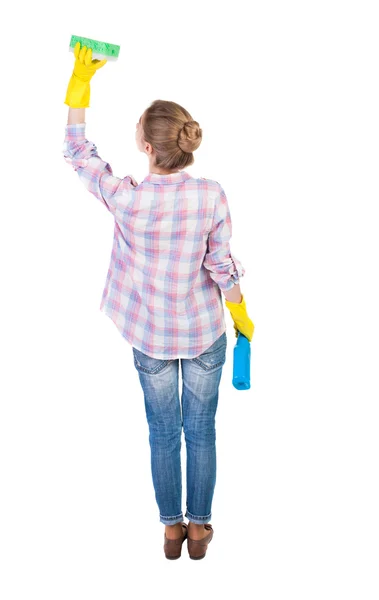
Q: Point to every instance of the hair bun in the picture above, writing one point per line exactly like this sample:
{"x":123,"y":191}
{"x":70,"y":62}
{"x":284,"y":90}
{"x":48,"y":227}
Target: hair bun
{"x":172,"y":133}
{"x":190,"y":135}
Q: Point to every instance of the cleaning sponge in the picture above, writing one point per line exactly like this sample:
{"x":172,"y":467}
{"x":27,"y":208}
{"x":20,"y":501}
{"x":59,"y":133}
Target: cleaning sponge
{"x":100,"y":50}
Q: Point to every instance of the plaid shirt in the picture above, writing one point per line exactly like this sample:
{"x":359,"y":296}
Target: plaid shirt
{"x":170,"y":255}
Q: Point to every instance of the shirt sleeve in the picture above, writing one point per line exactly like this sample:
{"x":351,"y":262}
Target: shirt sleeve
{"x":95,"y":173}
{"x":225,"y":269}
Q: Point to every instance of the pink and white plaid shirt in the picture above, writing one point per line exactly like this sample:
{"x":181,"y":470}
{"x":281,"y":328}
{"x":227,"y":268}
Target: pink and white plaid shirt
{"x":170,"y":255}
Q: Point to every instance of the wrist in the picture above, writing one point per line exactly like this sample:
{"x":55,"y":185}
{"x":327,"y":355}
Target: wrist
{"x":82,"y":78}
{"x":233,"y":301}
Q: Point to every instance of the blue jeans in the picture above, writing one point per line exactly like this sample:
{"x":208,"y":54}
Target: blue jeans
{"x":200,"y":382}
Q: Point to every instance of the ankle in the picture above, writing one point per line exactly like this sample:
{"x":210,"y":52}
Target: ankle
{"x":173,"y":532}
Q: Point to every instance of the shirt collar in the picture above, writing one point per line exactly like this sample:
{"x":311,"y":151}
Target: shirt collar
{"x":168,"y":178}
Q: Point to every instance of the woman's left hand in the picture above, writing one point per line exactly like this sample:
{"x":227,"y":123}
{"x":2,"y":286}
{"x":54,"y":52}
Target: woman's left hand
{"x":78,"y":91}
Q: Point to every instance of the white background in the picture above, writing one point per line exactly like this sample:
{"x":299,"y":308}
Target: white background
{"x":287,"y":96}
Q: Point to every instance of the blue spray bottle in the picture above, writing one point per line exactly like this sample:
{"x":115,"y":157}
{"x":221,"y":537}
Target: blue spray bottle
{"x":241,"y":363}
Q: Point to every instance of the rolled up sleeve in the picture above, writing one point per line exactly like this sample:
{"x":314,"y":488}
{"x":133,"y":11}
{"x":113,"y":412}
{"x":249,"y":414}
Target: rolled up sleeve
{"x":224,"y":268}
{"x":95,"y":173}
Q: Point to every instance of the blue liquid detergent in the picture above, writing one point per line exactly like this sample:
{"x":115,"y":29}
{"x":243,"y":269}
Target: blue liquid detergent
{"x":241,"y":363}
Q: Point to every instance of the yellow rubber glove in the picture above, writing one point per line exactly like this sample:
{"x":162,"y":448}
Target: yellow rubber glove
{"x":78,"y":91}
{"x":240,"y":317}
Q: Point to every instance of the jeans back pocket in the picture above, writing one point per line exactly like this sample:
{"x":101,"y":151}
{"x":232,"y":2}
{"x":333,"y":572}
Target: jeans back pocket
{"x":148,"y":364}
{"x":215,"y":356}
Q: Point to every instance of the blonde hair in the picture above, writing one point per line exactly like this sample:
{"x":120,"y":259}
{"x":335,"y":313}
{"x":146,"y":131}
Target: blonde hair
{"x":172,"y":133}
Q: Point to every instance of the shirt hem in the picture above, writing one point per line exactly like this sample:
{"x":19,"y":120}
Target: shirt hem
{"x":160,"y":357}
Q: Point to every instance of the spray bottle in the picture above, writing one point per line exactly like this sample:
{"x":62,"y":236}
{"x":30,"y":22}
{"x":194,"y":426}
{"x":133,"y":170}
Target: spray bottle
{"x":241,"y":363}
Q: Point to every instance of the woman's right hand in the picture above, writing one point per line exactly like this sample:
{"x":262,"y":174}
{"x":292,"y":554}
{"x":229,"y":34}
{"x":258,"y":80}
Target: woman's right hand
{"x":242,"y":322}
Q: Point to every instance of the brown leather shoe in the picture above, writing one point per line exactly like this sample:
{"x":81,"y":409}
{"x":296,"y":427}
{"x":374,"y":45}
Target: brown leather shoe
{"x":173,"y":548}
{"x":197,"y":549}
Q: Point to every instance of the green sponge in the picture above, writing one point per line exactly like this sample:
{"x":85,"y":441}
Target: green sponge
{"x":100,"y":50}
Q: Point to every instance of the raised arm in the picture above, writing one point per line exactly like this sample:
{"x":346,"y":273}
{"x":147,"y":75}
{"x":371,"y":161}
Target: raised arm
{"x":95,"y":173}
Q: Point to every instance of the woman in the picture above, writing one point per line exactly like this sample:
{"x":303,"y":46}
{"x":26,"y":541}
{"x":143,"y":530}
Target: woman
{"x":170,"y":261}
